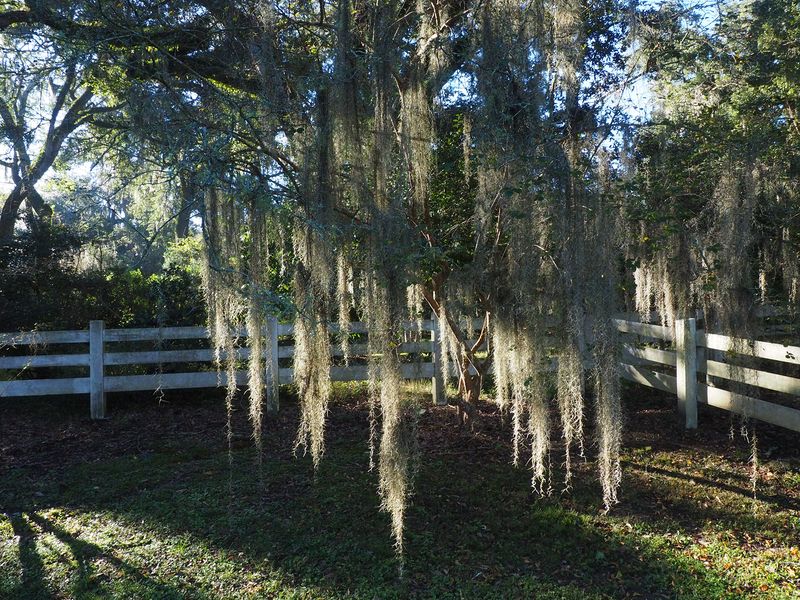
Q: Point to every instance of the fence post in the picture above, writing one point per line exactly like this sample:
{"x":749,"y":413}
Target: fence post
{"x":273,"y":370}
{"x":97,"y":392}
{"x":437,"y":381}
{"x":686,"y":371}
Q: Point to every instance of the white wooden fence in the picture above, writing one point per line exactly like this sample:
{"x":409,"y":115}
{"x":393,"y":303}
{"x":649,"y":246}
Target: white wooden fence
{"x":700,"y":363}
{"x":98,"y":348}
{"x":692,"y":368}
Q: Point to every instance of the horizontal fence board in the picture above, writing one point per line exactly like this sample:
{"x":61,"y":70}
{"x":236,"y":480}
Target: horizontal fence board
{"x":766,"y":350}
{"x":177,"y":333}
{"x":761,"y":379}
{"x":37,"y":338}
{"x":44,"y":360}
{"x":155,"y":334}
{"x":207,"y":355}
{"x":44,"y":387}
{"x":361,"y":349}
{"x":415,"y":347}
{"x":653,"y":355}
{"x":769,"y":412}
{"x":358,"y":327}
{"x":170,"y":381}
{"x":361,"y":372}
{"x":653,"y":379}
{"x":161,"y":356}
{"x":658,"y":332}
{"x":208,"y":379}
{"x":421,"y":325}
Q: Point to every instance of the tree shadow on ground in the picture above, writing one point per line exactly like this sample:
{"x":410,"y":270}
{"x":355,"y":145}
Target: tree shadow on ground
{"x":85,"y":581}
{"x":746,"y":493}
{"x":470,"y":532}
{"x":474,"y":529}
{"x":31,"y":565}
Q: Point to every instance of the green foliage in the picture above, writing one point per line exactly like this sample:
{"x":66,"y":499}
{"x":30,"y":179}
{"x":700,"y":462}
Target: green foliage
{"x":43,"y":287}
{"x":729,"y":91}
{"x":186,"y":254}
{"x":452,"y":198}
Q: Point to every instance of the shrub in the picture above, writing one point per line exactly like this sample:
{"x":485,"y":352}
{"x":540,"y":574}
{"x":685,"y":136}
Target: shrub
{"x":42,"y":286}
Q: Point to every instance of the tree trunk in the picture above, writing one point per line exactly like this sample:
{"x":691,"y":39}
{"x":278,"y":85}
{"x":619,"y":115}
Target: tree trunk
{"x":8,"y":216}
{"x":470,"y":382}
{"x":188,"y":191}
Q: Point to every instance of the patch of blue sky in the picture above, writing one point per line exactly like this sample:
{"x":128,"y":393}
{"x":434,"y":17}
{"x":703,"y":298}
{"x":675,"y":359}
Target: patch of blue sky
{"x":459,"y":89}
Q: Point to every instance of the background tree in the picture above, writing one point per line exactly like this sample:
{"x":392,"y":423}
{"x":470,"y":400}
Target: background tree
{"x":45,"y":100}
{"x":715,"y":189}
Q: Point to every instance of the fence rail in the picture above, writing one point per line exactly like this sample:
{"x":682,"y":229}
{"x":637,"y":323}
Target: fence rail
{"x":698,"y":360}
{"x":692,"y":368}
{"x":99,"y":349}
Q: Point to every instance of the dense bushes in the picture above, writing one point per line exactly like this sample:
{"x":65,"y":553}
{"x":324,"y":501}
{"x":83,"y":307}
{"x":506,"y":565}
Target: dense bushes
{"x":44,"y":286}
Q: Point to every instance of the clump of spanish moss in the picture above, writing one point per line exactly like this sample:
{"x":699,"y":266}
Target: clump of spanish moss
{"x":732,"y":207}
{"x":312,"y":342}
{"x":570,"y":396}
{"x":256,"y":321}
{"x":344,"y":297}
{"x":397,"y":448}
{"x":414,"y":303}
{"x":501,"y":350}
{"x":609,"y":420}
{"x":221,"y":282}
{"x":449,"y":355}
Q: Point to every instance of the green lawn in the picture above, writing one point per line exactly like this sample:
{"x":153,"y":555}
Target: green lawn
{"x":156,"y":511}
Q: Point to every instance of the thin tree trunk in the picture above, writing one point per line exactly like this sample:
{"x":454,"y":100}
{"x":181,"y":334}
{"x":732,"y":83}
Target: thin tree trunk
{"x":9,"y":214}
{"x":469,"y":386}
{"x":188,"y":192}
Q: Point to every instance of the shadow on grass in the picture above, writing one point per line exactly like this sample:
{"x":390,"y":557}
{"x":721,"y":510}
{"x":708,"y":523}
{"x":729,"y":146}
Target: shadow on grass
{"x":780,"y":502}
{"x":85,"y":582}
{"x":472,"y":531}
{"x":32,"y":567}
{"x":85,"y":553}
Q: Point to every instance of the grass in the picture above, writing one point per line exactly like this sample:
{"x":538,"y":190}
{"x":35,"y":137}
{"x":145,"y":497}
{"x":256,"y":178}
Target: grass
{"x":147,"y":507}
